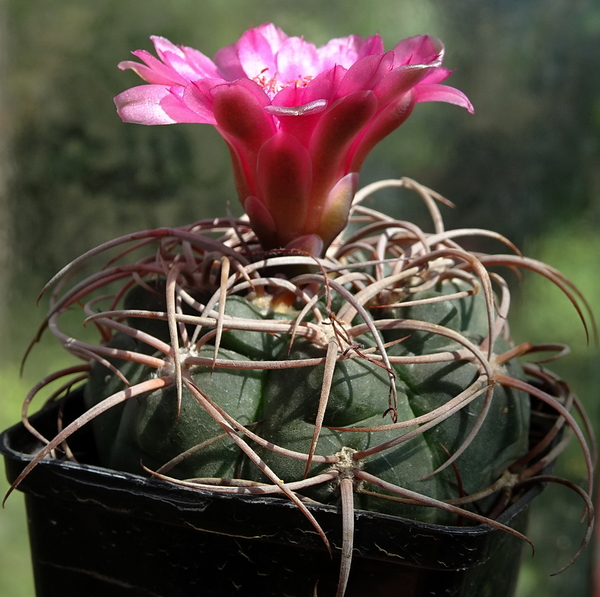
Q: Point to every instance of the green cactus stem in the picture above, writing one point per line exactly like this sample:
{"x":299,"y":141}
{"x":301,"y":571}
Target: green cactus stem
{"x":381,"y":376}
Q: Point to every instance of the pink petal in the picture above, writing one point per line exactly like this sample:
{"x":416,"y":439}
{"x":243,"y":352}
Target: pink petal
{"x":256,"y":55}
{"x":443,"y":93}
{"x":339,"y":126}
{"x":309,"y":243}
{"x":197,"y":97}
{"x":386,"y":121}
{"x":337,"y":207}
{"x":250,"y":86}
{"x":187,"y":62}
{"x":372,"y":45}
{"x":294,"y":117}
{"x":239,"y":114}
{"x":244,"y":178}
{"x":202,"y":65}
{"x":228,"y":62}
{"x":188,"y":69}
{"x":421,"y":49}
{"x":152,"y":104}
{"x":301,"y":127}
{"x":284,"y":175}
{"x":341,"y":51}
{"x":400,"y":80}
{"x":437,"y":75}
{"x":261,"y":221}
{"x":253,"y":53}
{"x":242,"y":121}
{"x":154,"y":71}
{"x":333,"y":135}
{"x":164,"y":47}
{"x":292,"y":95}
{"x":366,"y":73}
{"x":273,"y":35}
{"x":324,"y":86}
{"x":296,"y":59}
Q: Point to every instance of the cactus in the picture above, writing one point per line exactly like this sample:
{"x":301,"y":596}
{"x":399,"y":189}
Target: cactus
{"x":284,"y":353}
{"x":378,"y":377}
{"x":284,"y":402}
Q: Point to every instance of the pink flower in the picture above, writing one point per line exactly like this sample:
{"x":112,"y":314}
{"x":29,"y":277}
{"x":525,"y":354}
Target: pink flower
{"x":299,"y":120}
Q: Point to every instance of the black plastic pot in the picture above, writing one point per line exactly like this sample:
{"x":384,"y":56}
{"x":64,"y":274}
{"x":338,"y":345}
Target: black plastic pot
{"x":97,"y":532}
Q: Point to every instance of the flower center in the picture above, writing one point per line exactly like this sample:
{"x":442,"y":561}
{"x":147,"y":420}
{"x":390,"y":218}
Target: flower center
{"x":273,"y":85}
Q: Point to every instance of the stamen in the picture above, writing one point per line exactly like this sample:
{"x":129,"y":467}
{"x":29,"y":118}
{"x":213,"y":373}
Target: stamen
{"x":273,"y":85}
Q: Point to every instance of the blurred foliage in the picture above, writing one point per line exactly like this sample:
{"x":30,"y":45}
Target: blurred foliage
{"x":572,"y":247}
{"x":527,"y":165}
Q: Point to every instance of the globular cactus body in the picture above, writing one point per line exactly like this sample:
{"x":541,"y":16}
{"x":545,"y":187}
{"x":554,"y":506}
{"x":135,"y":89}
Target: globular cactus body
{"x":281,"y":407}
{"x":380,"y":376}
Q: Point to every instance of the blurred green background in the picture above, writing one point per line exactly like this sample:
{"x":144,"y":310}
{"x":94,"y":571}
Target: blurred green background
{"x":527,"y":165}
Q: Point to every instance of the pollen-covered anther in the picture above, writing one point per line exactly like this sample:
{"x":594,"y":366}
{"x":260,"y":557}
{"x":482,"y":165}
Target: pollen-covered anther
{"x":272,"y":84}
